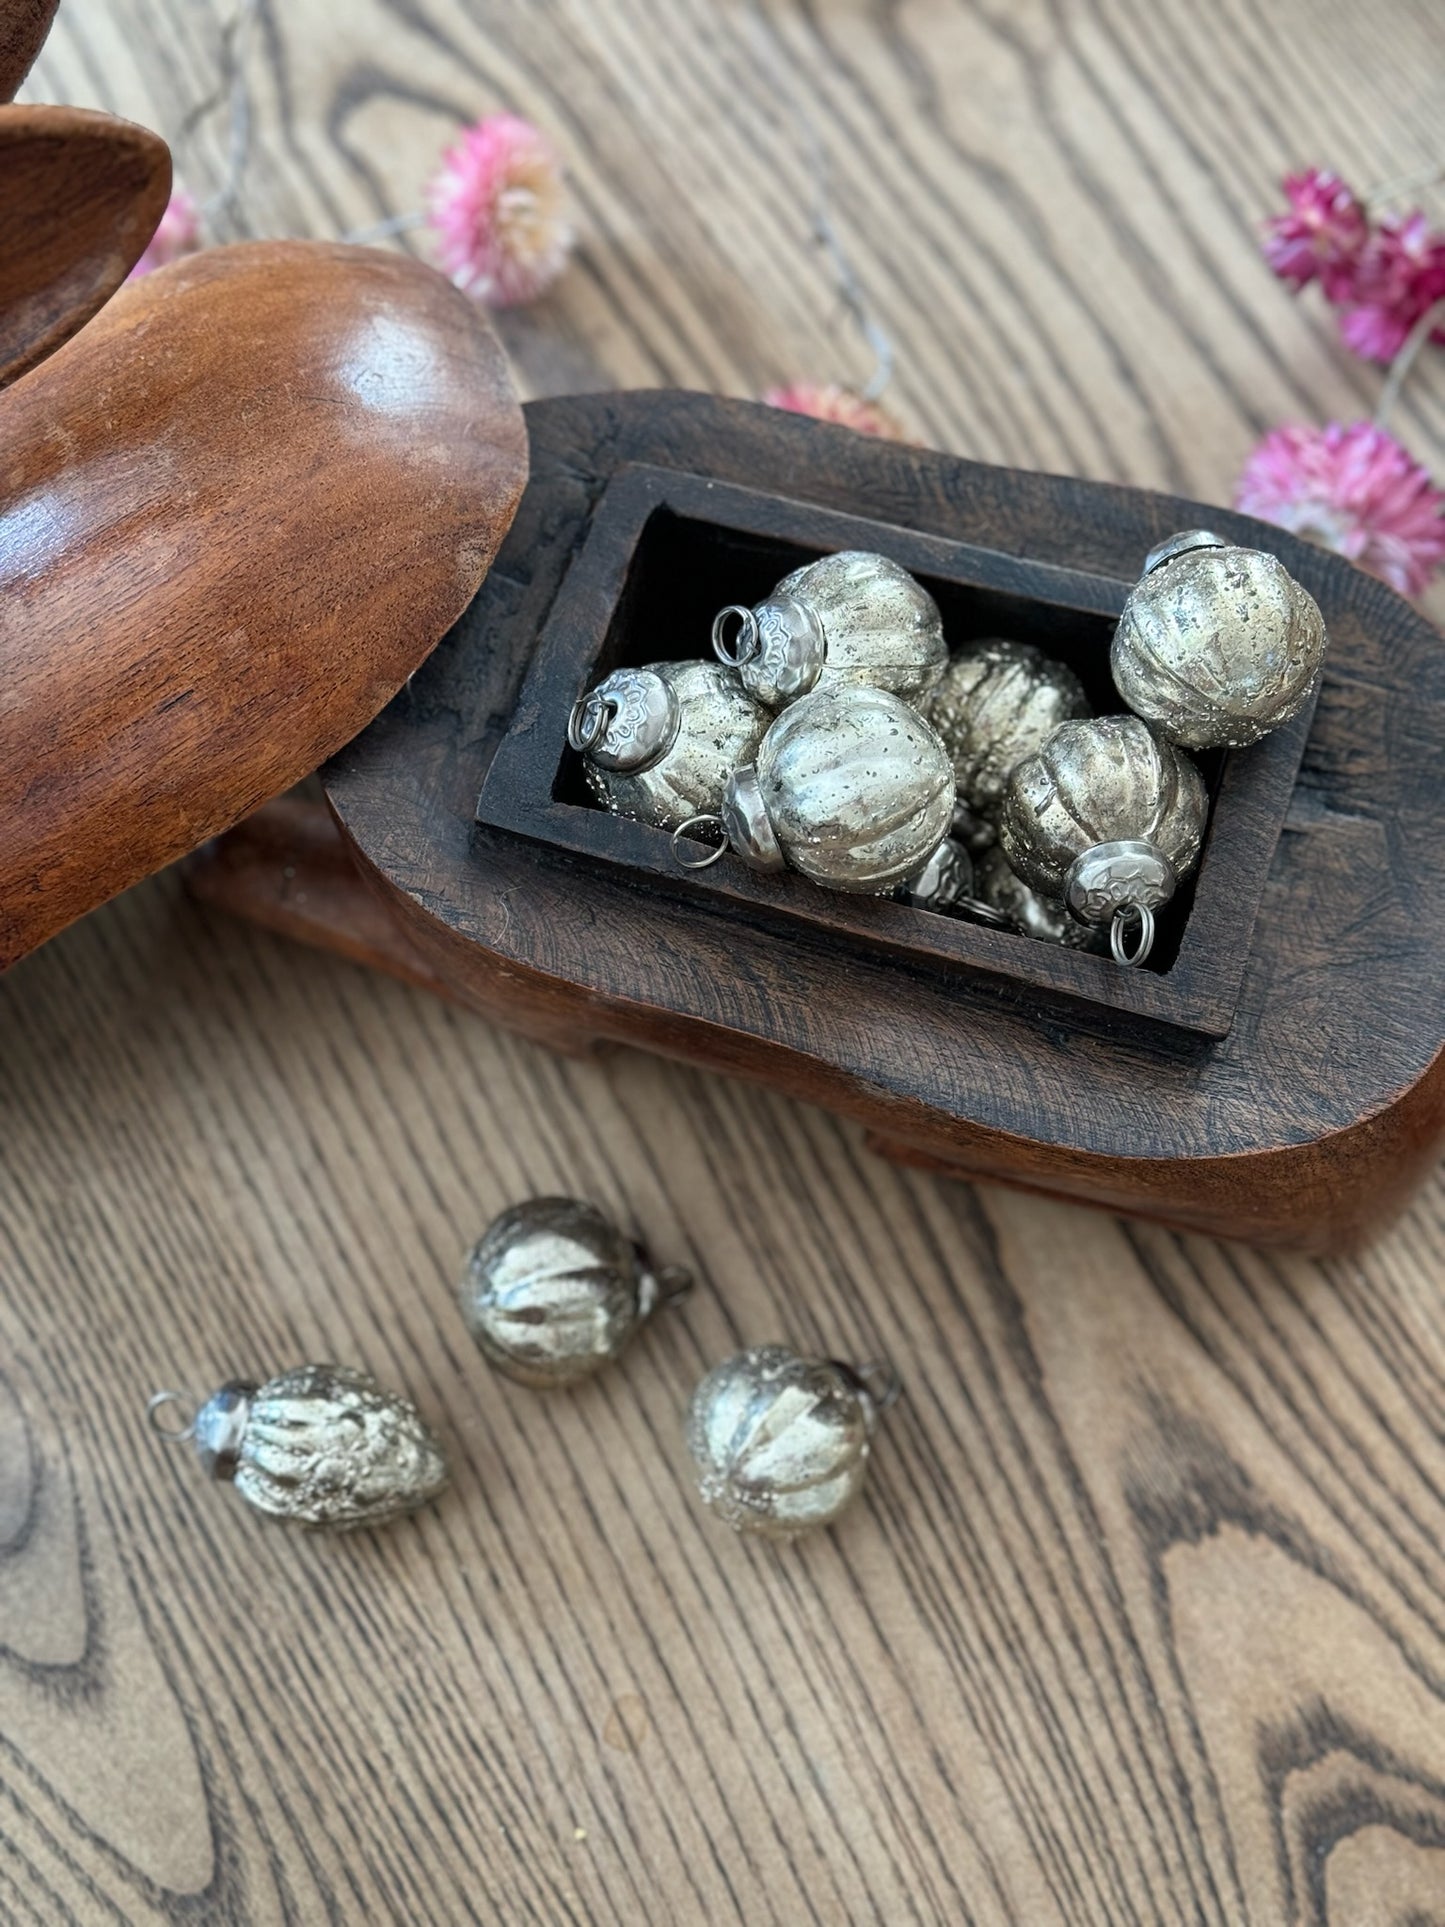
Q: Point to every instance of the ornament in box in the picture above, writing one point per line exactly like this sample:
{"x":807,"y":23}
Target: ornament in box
{"x":853,"y":619}
{"x":1217,"y":644}
{"x":660,"y":743}
{"x":1107,"y":818}
{"x":996,"y":703}
{"x":851,"y":787}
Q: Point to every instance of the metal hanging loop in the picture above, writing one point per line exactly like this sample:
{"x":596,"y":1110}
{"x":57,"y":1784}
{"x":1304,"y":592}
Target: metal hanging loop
{"x":744,"y":646}
{"x":682,"y":834}
{"x":160,"y":1402}
{"x":589,"y":721}
{"x":1118,"y":940}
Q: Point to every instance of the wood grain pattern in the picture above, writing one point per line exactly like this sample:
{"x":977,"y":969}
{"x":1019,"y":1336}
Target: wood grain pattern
{"x":1142,"y":1618}
{"x":83,"y":194}
{"x":23,"y":27}
{"x":236,"y":513}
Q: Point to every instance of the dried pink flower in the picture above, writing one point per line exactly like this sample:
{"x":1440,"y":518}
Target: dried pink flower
{"x":499,"y":205}
{"x":1321,"y":236}
{"x":1354,"y":489}
{"x":827,"y":402}
{"x":178,"y":232}
{"x":1399,"y":276}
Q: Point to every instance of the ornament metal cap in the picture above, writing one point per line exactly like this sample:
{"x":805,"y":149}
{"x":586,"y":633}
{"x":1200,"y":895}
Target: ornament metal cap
{"x":780,"y":644}
{"x":1118,"y":883}
{"x":1180,"y":543}
{"x":748,"y":825}
{"x":628,"y":722}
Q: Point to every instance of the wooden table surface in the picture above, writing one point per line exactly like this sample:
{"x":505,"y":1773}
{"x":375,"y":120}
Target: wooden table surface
{"x":1143,"y":1617}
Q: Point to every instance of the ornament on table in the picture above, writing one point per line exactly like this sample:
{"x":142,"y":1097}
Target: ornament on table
{"x":321,"y":1445}
{"x":1025,"y":911}
{"x":660,"y":743}
{"x":996,"y":703}
{"x":851,"y":619}
{"x":1107,"y":818}
{"x":553,"y":1290}
{"x":781,"y":1443}
{"x":1217,"y":645}
{"x":851,"y":787}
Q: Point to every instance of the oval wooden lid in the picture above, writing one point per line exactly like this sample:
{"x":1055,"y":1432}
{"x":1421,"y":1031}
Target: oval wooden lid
{"x":236,"y":512}
{"x":83,"y":194}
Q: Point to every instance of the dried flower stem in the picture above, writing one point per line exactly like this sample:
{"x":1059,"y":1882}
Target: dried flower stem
{"x":1388,"y":191}
{"x":233,"y":84}
{"x":382,"y":230}
{"x":775,"y":64}
{"x":1404,"y":361}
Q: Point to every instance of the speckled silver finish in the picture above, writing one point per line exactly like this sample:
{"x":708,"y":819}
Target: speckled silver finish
{"x":996,"y":884}
{"x":321,"y":1445}
{"x":856,"y":787}
{"x":847,"y":620}
{"x":996,"y":703}
{"x":780,"y":1442}
{"x":553,"y":1290}
{"x":944,"y":880}
{"x":1102,"y":781}
{"x":679,"y":731}
{"x":1110,"y":875}
{"x":1217,"y":645}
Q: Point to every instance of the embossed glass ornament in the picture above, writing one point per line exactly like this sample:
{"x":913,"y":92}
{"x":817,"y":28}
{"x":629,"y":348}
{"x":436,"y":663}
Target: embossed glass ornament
{"x":1107,"y":818}
{"x":781,"y":1443}
{"x":1025,"y":911}
{"x":1217,"y":645}
{"x":660,"y":743}
{"x":998,"y":702}
{"x":553,"y":1290}
{"x":851,"y":787}
{"x":321,"y":1445}
{"x":852,"y":619}
{"x":945,"y":880}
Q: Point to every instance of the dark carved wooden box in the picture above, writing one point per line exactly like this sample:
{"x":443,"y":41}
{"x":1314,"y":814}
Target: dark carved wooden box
{"x":1275,"y":1077}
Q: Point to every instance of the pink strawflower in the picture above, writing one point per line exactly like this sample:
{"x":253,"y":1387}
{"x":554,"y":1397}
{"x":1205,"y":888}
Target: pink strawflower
{"x":1353,"y":489}
{"x":499,"y":206}
{"x":827,"y":402}
{"x":1320,"y":237}
{"x":178,"y":232}
{"x":1399,"y":275}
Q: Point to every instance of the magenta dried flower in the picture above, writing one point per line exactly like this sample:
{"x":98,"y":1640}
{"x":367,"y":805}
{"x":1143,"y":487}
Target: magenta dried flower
{"x":825,"y":401}
{"x":1399,"y":276}
{"x":499,"y":205}
{"x":1321,"y":236}
{"x":178,"y":232}
{"x":1354,"y":489}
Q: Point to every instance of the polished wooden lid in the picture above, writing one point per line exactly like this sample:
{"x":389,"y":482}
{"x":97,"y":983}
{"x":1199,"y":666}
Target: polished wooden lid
{"x":237,"y":510}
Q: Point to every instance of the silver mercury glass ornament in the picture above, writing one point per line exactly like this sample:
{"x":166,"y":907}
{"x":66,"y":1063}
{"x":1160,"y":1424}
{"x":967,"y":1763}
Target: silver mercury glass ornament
{"x":854,"y":618}
{"x":1025,"y":911}
{"x":1107,"y":818}
{"x":851,"y":787}
{"x":998,"y":702}
{"x":659,"y":744}
{"x":781,"y":1443}
{"x":1217,"y":645}
{"x":321,"y":1445}
{"x":553,"y":1290}
{"x":945,"y":880}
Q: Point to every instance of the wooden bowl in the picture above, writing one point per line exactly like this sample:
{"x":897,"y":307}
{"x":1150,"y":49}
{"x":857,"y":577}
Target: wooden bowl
{"x":236,"y":513}
{"x":1302,"y":1108}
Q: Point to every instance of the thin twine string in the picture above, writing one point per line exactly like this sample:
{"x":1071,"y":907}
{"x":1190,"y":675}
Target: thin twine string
{"x":782,"y":74}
